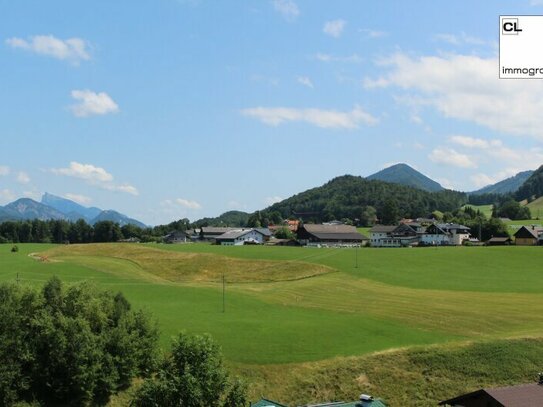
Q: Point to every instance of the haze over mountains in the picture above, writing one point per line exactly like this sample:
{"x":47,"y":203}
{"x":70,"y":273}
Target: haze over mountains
{"x":58,"y":208}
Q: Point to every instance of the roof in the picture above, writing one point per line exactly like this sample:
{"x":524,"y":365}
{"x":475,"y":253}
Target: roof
{"x":499,"y":239}
{"x":532,"y":230}
{"x":524,"y":395}
{"x":450,"y":226}
{"x":382,"y":229}
{"x":234,"y":234}
{"x":265,"y":231}
{"x":369,"y":403}
{"x":267,"y":403}
{"x":334,"y":232}
{"x":210,"y":230}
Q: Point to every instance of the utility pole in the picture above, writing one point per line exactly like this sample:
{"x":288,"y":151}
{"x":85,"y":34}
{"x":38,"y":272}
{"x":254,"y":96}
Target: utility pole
{"x":223,"y":294}
{"x":356,"y":257}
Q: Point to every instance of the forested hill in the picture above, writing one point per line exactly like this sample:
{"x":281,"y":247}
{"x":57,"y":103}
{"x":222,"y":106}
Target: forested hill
{"x":532,"y":187}
{"x":509,"y":185}
{"x":405,"y":175}
{"x":351,"y":196}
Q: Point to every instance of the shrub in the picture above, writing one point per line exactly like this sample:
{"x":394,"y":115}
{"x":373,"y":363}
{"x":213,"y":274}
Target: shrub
{"x":14,"y":248}
{"x":70,"y":346}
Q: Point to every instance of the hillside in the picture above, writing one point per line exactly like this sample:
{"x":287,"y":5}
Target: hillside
{"x":114,"y":216}
{"x":505,"y":186}
{"x":348,"y":196}
{"x":532,"y":187}
{"x":405,"y":175}
{"x":69,"y":208}
{"x":230,"y":218}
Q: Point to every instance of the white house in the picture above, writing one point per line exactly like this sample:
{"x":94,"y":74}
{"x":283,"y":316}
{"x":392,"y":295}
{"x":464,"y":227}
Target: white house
{"x":445,"y":234}
{"x":240,"y":237}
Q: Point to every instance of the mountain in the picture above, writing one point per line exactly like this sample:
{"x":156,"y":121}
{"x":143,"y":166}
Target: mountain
{"x":71,"y":209}
{"x":511,"y":184}
{"x":230,"y":218}
{"x":57,"y":208}
{"x":349,"y":196}
{"x":532,"y":187}
{"x":116,"y":217}
{"x":405,"y":175}
{"x":26,"y":208}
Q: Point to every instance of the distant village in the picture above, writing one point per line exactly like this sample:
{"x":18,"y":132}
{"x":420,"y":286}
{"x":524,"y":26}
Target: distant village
{"x":408,"y":233}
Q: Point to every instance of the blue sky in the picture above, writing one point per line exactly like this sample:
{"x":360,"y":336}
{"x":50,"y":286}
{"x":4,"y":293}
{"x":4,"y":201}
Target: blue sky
{"x":166,"y":109}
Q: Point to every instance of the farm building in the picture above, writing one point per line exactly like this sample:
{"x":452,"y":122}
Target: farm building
{"x":176,"y":237}
{"x":529,"y":236}
{"x":499,"y":241}
{"x":524,"y":395}
{"x":445,"y":234}
{"x":364,"y":401}
{"x":330,"y":235}
{"x":240,"y":237}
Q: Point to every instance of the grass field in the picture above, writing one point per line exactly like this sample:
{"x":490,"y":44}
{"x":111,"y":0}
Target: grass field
{"x":304,"y":309}
{"x":536,"y":208}
{"x":485,"y":209}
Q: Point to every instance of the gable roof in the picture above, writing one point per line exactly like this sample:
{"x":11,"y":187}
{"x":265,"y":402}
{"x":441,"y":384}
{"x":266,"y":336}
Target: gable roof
{"x":234,"y":234}
{"x":211,"y":230}
{"x":529,"y":230}
{"x":383,"y":228}
{"x":524,"y":395}
{"x":334,"y":232}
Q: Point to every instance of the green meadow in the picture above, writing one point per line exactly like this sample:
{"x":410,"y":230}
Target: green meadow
{"x":300,"y":309}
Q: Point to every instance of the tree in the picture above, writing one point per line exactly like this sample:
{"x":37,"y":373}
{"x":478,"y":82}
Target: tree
{"x":193,"y":375}
{"x":284,"y":233}
{"x":71,"y":345}
{"x":368,"y":217}
{"x":389,"y":213}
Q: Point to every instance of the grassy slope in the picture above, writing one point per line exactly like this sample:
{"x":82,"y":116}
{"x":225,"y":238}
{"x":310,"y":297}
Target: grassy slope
{"x":395,"y":298}
{"x":485,"y":209}
{"x":536,"y":208}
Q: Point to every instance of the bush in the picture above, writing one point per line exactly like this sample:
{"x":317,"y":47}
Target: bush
{"x":193,"y":375}
{"x":14,"y":248}
{"x":70,"y":346}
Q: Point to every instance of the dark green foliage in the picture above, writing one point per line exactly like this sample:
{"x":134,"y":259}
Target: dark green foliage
{"x":193,"y":375}
{"x":405,"y":175}
{"x":349,"y":196}
{"x":511,"y":209}
{"x":533,"y":186}
{"x":231,"y":218}
{"x":14,"y":248}
{"x":284,"y":233}
{"x":70,"y":346}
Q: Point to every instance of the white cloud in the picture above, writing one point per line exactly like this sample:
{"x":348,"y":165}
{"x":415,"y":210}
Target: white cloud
{"x":186,"y":203}
{"x":4,"y":170}
{"x":460,"y":39}
{"x":270,"y":200}
{"x":80,"y":199}
{"x":92,"y":103}
{"x":353,"y":58}
{"x":97,"y":176}
{"x":129,"y":189}
{"x":87,"y":172}
{"x":466,"y":88}
{"x":274,"y":116}
{"x":35,"y":195}
{"x":287,"y":8}
{"x":6,"y":196}
{"x":373,"y":33}
{"x":23,"y":178}
{"x":72,"y":49}
{"x":450,"y":156}
{"x":304,"y":80}
{"x":334,"y":28}
{"x":482,"y":180}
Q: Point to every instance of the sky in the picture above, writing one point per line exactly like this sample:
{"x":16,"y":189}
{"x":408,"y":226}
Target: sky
{"x":166,"y":109}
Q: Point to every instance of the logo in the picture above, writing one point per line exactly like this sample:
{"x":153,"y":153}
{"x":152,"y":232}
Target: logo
{"x":510,"y":26}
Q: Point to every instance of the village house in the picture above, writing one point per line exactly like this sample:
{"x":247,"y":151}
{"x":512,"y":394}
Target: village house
{"x":240,"y":237}
{"x":176,"y":237}
{"x":529,"y":236}
{"x":405,"y":234}
{"x":210,"y":233}
{"x":330,"y":235}
{"x":440,"y":234}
